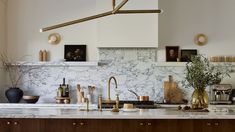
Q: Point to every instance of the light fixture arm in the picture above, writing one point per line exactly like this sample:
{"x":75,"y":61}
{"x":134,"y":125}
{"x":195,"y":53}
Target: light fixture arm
{"x":116,"y":10}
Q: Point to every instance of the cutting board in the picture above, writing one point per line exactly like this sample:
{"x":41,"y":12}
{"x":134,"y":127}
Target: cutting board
{"x":172,"y":94}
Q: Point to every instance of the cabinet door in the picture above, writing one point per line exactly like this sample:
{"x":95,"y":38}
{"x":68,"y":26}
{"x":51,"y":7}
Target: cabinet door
{"x":26,"y":125}
{"x":59,"y":125}
{"x":5,"y":125}
{"x":182,"y":126}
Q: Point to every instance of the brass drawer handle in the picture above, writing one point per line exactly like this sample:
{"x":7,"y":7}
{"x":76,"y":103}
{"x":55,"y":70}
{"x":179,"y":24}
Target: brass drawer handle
{"x":208,"y":124}
{"x":141,"y":124}
{"x":16,"y":123}
{"x":149,"y":124}
{"x":216,"y":124}
{"x":82,"y":124}
{"x":74,"y":124}
{"x":8,"y":123}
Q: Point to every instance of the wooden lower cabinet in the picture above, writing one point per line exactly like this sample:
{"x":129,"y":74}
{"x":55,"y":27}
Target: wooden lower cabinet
{"x":115,"y":125}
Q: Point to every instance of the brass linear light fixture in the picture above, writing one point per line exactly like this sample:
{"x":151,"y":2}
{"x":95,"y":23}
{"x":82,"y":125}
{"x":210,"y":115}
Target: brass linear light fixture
{"x":116,"y":10}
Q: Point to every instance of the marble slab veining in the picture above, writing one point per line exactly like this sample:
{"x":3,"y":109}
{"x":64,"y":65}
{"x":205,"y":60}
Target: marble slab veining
{"x":134,"y":69}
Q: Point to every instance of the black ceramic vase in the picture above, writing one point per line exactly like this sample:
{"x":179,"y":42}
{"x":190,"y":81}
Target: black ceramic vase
{"x":14,"y":95}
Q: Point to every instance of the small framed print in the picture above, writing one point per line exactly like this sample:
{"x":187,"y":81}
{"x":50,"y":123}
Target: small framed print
{"x":186,"y":54}
{"x":75,"y":52}
{"x":172,"y":53}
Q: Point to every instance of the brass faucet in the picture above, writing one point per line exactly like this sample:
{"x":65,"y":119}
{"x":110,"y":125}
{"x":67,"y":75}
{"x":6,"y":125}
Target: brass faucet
{"x":115,"y":81}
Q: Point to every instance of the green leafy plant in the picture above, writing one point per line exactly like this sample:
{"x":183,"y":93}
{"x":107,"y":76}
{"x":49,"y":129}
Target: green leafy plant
{"x":200,"y":73}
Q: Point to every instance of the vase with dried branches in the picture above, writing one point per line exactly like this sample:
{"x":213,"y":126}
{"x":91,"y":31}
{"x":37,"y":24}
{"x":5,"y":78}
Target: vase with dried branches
{"x":200,"y":73}
{"x":15,"y":72}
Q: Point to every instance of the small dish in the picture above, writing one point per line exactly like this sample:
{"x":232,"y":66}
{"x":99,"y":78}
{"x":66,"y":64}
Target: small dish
{"x":31,"y":99}
{"x":130,"y":110}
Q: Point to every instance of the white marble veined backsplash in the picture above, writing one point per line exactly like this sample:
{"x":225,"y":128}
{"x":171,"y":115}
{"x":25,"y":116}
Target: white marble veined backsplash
{"x":134,"y":69}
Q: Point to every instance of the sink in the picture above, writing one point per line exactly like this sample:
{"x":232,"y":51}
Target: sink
{"x":138,"y":104}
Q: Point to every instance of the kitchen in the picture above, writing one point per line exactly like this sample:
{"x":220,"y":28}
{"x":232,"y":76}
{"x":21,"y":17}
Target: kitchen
{"x":138,"y":63}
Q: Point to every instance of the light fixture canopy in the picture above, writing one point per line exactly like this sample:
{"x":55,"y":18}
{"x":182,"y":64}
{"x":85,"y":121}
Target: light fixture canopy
{"x":116,"y":10}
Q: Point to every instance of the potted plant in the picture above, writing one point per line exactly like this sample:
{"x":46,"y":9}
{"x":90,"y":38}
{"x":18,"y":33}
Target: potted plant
{"x":15,"y":72}
{"x":200,"y":73}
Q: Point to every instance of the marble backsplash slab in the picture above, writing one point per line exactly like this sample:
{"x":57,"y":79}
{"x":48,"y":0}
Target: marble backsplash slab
{"x":134,"y":69}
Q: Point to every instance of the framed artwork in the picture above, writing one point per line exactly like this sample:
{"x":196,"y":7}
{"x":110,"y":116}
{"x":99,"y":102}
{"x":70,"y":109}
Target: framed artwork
{"x":187,"y":54}
{"x":75,"y":52}
{"x":172,"y":53}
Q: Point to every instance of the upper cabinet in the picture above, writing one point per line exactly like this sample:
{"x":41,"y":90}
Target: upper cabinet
{"x":128,"y":30}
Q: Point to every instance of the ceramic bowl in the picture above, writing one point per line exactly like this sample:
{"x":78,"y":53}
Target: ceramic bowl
{"x":30,"y":99}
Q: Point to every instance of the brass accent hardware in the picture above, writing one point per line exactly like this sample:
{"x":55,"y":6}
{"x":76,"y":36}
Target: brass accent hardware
{"x":149,"y":124}
{"x":114,"y":4}
{"x":54,"y":38}
{"x":138,"y":11}
{"x":119,"y":6}
{"x":115,"y":81}
{"x":208,"y":124}
{"x":76,"y":21}
{"x":201,"y":39}
{"x":216,"y":124}
{"x":117,"y":101}
{"x":74,"y":123}
{"x":82,"y":124}
{"x":16,"y":123}
{"x":100,"y":103}
{"x":87,"y":104}
{"x":114,"y":11}
{"x":141,"y":124}
{"x":8,"y":123}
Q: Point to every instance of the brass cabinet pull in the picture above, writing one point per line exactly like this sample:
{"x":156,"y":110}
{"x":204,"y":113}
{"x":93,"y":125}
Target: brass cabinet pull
{"x":149,"y":124}
{"x":216,"y":124}
{"x":8,"y":123}
{"x":82,"y":124}
{"x":16,"y":123}
{"x":141,"y":124}
{"x":74,"y":123}
{"x":208,"y":124}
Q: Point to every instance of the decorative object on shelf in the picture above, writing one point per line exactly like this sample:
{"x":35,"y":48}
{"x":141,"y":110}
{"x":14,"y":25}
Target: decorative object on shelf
{"x":14,"y":94}
{"x":63,"y":93}
{"x":15,"y":73}
{"x":40,"y":55}
{"x":172,"y":53}
{"x":31,"y":99}
{"x":200,"y":39}
{"x":187,"y":54}
{"x":116,"y":10}
{"x":44,"y":55}
{"x":75,"y":52}
{"x":222,"y":59}
{"x":200,"y":73}
{"x":54,"y":38}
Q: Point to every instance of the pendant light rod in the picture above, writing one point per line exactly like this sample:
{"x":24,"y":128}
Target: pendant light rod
{"x":114,"y":4}
{"x":114,"y":11}
{"x":76,"y":21}
{"x":120,"y":6}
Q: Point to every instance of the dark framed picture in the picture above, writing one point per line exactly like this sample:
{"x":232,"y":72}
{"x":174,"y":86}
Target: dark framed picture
{"x":172,"y":53}
{"x":186,"y":54}
{"x":75,"y":52}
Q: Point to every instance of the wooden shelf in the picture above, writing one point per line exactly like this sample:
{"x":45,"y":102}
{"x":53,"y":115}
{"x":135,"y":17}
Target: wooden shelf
{"x":57,"y":64}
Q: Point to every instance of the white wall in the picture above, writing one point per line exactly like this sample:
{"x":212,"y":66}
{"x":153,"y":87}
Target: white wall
{"x":183,"y":19}
{"x":26,"y":17}
{"x":2,"y":42}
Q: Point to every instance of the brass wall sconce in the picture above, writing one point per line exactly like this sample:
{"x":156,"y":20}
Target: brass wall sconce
{"x":54,"y":38}
{"x":116,"y":10}
{"x":200,"y":39}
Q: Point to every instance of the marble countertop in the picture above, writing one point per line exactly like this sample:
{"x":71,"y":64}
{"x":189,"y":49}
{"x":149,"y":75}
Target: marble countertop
{"x":73,"y":112}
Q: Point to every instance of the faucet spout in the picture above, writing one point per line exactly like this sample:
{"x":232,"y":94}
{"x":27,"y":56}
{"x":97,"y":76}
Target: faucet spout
{"x":115,"y":81}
